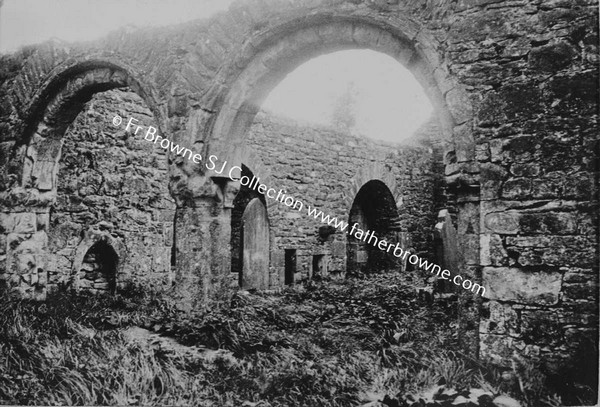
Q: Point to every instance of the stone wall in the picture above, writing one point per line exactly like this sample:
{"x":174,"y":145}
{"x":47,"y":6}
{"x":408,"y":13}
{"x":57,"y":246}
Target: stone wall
{"x":534,"y":76}
{"x":515,"y":87}
{"x":112,"y":187}
{"x":325,"y":169}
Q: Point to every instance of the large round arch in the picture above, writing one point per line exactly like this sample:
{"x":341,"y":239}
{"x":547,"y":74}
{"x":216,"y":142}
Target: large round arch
{"x":100,"y":160}
{"x":267,"y":58}
{"x":264,"y":59}
{"x":57,"y":104}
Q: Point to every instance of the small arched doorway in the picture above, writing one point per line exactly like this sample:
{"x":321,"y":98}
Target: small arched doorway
{"x":373,"y":213}
{"x":98,"y":272}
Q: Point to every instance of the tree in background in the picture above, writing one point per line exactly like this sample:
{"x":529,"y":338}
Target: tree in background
{"x":343,"y":115}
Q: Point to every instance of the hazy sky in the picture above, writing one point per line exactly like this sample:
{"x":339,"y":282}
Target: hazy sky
{"x":390,"y":104}
{"x":32,"y":21}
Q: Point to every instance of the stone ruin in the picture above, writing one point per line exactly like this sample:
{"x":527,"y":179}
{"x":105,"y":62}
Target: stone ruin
{"x":501,"y":185}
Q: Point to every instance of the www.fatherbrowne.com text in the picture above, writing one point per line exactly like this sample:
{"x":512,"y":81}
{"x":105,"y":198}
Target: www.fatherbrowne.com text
{"x":233,"y":172}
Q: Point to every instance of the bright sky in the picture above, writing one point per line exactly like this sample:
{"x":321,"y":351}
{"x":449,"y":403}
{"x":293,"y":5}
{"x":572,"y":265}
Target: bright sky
{"x":390,"y":103}
{"x":31,"y":21}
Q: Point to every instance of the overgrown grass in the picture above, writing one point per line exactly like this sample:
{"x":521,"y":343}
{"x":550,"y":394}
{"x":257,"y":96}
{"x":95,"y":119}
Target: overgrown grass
{"x":336,"y":343}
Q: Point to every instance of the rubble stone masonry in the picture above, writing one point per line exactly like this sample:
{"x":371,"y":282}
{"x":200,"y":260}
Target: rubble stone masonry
{"x":515,"y":89}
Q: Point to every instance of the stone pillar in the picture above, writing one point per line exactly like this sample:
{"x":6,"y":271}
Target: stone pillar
{"x":461,"y":256}
{"x":203,"y":253}
{"x":467,"y":228}
{"x":23,"y":247}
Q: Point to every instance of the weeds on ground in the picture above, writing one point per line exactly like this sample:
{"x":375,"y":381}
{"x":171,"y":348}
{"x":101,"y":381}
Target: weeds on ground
{"x":331,"y":343}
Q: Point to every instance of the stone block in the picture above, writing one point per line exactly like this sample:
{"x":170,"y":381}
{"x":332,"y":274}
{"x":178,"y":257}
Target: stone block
{"x":482,"y":152}
{"x":578,"y":318}
{"x":498,"y":349}
{"x":548,"y":222}
{"x":576,"y":275}
{"x":513,"y":284}
{"x":492,"y":251}
{"x":499,"y":319}
{"x":546,"y":188}
{"x":529,"y":241}
{"x":278,"y":258}
{"x":48,"y":149}
{"x":496,"y":150}
{"x":167,"y":233}
{"x":552,"y":57}
{"x":26,"y":264}
{"x":492,"y":176}
{"x":579,"y":186}
{"x":42,"y":221}
{"x":576,"y":251}
{"x":338,"y":249}
{"x":585,"y":290}
{"x":469,"y":245}
{"x":161,"y":260}
{"x":3,"y":247}
{"x":516,"y":188}
{"x":43,"y":173}
{"x":490,"y":111}
{"x":541,"y":327}
{"x":467,"y":220}
{"x":490,"y":189}
{"x":520,"y":148}
{"x":504,"y":223}
{"x":525,"y":169}
{"x":461,"y":107}
{"x":521,"y":100}
{"x":18,"y":222}
{"x":26,"y":243}
{"x":531,"y":257}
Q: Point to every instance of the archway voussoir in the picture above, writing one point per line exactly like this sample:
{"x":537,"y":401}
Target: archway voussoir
{"x":365,"y":35}
{"x":443,"y":79}
{"x":336,"y":33}
{"x":460,"y":104}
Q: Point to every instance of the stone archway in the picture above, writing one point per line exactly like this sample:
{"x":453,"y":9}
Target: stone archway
{"x":55,"y":108}
{"x":51,"y":113}
{"x":373,"y":210}
{"x":97,"y":263}
{"x":98,"y":271}
{"x":267,"y":58}
{"x":264,"y":60}
{"x":255,"y":246}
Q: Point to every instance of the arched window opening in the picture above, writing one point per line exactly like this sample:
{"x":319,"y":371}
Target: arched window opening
{"x":98,"y":271}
